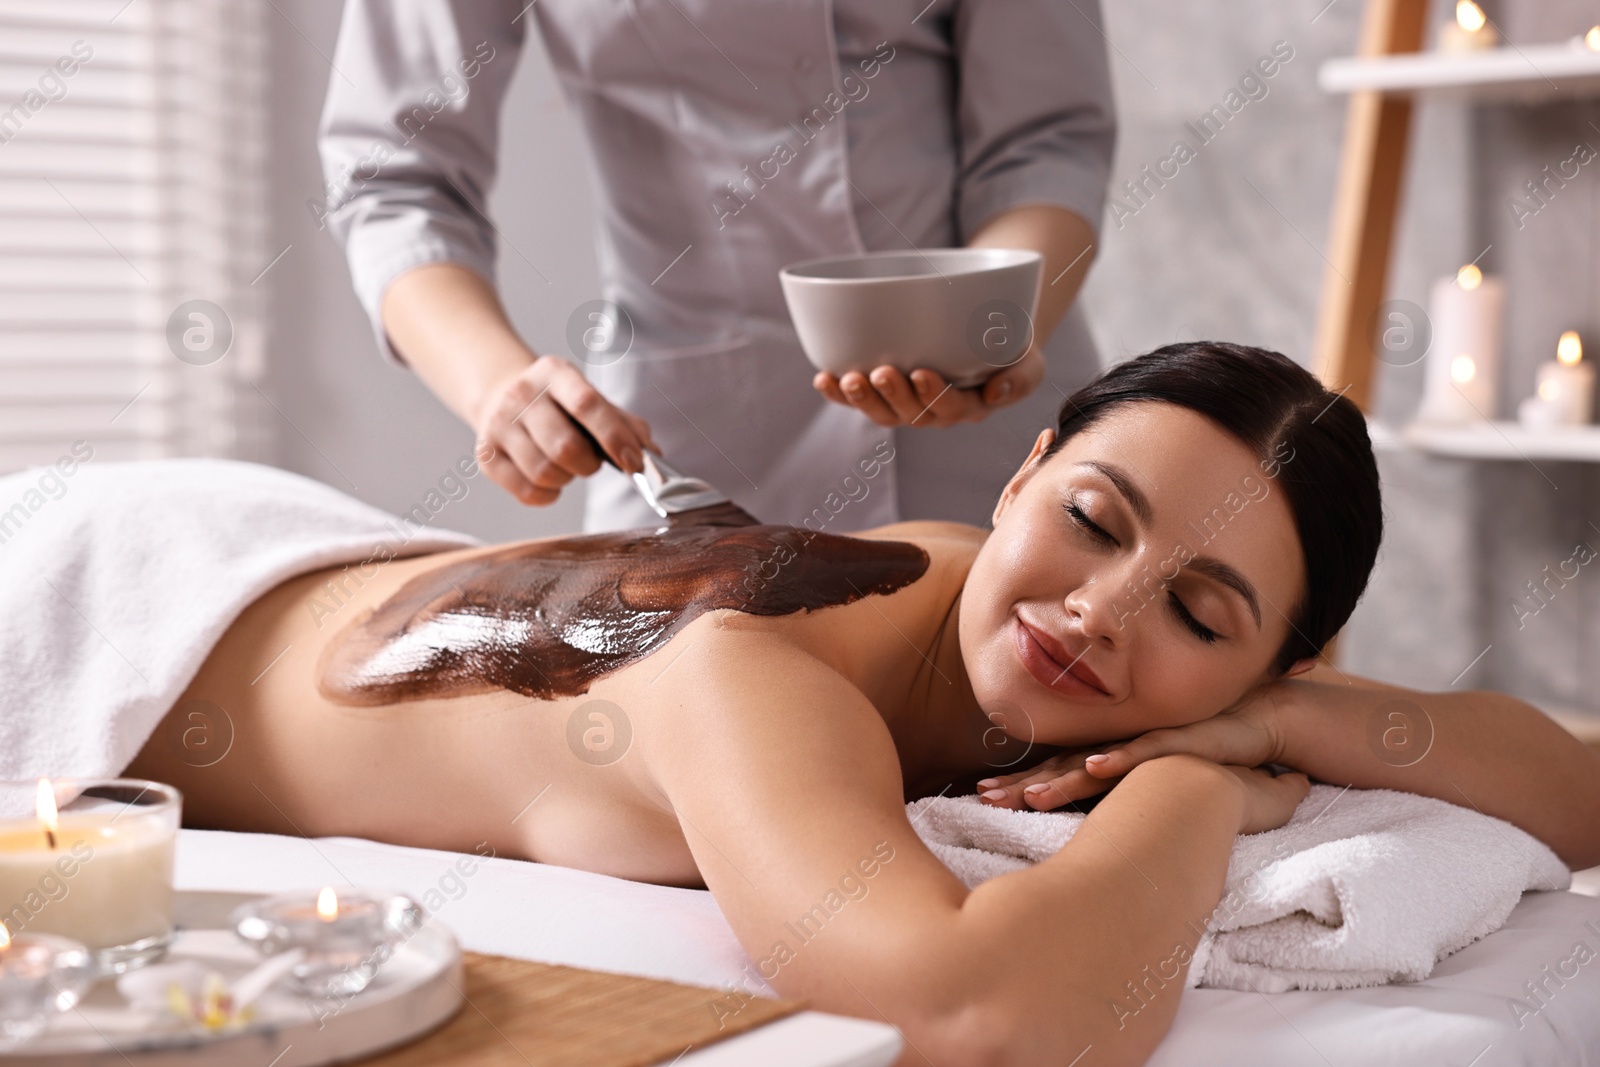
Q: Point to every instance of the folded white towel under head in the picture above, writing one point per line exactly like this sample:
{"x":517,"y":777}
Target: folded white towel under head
{"x":1361,"y":887}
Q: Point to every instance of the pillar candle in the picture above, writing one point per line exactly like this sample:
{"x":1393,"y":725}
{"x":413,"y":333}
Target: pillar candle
{"x":1467,"y":313}
{"x":1565,"y":392}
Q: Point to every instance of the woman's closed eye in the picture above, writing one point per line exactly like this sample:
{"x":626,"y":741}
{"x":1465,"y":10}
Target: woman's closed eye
{"x":1096,"y":531}
{"x":1194,"y":625}
{"x":1081,"y":517}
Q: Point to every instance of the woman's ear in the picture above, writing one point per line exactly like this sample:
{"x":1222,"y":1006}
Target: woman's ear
{"x":1019,"y":479}
{"x":1300,"y":666}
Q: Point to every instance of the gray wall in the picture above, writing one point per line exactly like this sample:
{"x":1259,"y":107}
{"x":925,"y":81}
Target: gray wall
{"x":1231,"y":248}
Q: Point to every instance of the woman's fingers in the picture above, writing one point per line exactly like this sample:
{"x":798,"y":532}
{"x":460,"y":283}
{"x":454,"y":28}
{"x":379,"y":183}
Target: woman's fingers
{"x":1227,"y":738}
{"x":1114,"y":763}
{"x":1045,"y":792}
{"x":1056,"y":781}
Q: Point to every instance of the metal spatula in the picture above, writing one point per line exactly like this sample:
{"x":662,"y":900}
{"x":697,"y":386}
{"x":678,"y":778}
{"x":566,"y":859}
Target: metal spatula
{"x":675,"y":496}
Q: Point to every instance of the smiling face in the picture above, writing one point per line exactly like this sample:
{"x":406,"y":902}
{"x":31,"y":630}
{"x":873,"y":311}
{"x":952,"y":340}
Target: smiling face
{"x":1138,"y":578}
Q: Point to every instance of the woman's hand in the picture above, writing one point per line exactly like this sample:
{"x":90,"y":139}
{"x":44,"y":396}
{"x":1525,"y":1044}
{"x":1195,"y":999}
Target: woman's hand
{"x":1059,"y":780}
{"x":889,"y":398}
{"x":1269,"y":801}
{"x":1249,"y":734}
{"x":526,"y":438}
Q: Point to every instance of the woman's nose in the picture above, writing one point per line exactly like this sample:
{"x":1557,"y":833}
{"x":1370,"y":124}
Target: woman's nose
{"x":1108,"y":600}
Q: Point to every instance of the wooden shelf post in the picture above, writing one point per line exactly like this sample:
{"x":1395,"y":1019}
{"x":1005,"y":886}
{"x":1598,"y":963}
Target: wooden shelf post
{"x":1361,"y":230}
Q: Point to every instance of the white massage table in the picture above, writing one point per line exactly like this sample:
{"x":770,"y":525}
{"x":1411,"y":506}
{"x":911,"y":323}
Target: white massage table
{"x":1462,"y":1016}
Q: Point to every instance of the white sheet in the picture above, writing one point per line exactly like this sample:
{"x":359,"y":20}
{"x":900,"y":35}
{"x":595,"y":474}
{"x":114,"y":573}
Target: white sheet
{"x":1461,"y":1015}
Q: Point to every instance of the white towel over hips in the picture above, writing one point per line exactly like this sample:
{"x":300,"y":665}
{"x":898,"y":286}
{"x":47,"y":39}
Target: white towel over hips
{"x":1361,"y":887}
{"x":117,"y":580}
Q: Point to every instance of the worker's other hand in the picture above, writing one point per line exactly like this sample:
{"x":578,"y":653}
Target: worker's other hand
{"x":889,"y":398}
{"x":528,"y":444}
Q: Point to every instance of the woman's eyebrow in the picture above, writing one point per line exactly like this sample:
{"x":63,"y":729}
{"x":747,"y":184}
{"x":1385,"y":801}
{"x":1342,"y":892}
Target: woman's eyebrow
{"x":1209,"y":566}
{"x":1130,"y":492}
{"x":1214,"y":568}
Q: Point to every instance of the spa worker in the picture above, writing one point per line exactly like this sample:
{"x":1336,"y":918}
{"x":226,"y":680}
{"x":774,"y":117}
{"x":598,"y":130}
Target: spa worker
{"x":727,"y":139}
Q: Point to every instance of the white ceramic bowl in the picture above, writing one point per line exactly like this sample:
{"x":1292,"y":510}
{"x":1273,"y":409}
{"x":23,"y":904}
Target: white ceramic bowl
{"x":964,"y":312}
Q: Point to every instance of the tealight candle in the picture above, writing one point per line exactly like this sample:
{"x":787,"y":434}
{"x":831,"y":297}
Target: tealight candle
{"x":40,"y":974}
{"x":1564,"y":395}
{"x":97,"y":869}
{"x":1469,"y":31}
{"x":344,"y":936}
{"x":1466,"y":314}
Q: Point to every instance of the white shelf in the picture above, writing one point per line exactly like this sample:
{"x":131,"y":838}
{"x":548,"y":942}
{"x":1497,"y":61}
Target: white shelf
{"x":1491,"y":440}
{"x":1523,"y":73}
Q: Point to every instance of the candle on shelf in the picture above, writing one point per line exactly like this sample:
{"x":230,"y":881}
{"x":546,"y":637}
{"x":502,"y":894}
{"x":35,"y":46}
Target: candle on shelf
{"x":1564,"y":395}
{"x":343,"y":937}
{"x":40,"y":974}
{"x":1466,"y":314}
{"x":1469,"y":31}
{"x":96,"y":869}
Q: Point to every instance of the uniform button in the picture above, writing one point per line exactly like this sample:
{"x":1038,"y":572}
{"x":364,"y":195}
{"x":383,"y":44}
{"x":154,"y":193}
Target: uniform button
{"x":803,"y":64}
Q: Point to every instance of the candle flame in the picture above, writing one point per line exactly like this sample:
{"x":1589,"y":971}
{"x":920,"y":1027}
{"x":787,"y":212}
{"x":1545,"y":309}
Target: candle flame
{"x":1462,"y":369}
{"x":1570,"y":348}
{"x":5,"y":937}
{"x":327,"y":904}
{"x":1470,"y":16}
{"x":1469,"y":277}
{"x":1592,"y":39}
{"x":1550,"y":389}
{"x":45,"y":805}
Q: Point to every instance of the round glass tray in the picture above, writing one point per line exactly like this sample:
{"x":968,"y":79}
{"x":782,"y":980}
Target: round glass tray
{"x":417,"y":990}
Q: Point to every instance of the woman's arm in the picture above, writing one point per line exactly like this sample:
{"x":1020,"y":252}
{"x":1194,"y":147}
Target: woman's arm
{"x":787,"y":786}
{"x":1478,"y":749}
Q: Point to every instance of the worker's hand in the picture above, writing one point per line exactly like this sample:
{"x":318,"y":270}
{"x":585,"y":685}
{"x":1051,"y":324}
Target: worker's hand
{"x":529,"y":446}
{"x":888,"y":398}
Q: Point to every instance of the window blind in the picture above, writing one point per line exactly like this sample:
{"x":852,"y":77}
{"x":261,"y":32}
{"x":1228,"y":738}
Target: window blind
{"x":131,"y":228}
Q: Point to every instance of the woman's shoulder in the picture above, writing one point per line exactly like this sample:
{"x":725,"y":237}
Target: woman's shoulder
{"x":930,"y":534}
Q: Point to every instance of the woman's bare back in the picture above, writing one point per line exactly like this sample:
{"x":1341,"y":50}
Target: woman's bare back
{"x":492,"y":696}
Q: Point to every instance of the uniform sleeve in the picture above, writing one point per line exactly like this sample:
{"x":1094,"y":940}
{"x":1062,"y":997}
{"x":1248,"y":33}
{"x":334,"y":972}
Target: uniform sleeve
{"x":409,"y":134}
{"x":1036,"y":117}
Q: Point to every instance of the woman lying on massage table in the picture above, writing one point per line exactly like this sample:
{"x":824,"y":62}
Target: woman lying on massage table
{"x":658,"y":706}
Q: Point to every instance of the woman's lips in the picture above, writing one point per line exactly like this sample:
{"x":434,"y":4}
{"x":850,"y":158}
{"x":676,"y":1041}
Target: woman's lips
{"x":1047,"y":670}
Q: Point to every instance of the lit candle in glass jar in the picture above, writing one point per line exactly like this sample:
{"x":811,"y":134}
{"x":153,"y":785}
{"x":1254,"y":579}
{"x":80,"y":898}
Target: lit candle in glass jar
{"x":97,"y":868}
{"x":343,"y":937}
{"x":1564,"y":395}
{"x":1466,"y":314}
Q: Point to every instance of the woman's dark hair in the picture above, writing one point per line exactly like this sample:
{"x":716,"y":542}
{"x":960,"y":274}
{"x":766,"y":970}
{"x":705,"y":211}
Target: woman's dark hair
{"x":1282,"y":413}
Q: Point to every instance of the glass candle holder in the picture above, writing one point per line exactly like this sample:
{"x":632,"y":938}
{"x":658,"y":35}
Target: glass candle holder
{"x":40,"y":974}
{"x":344,"y":935}
{"x":91,"y":860}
